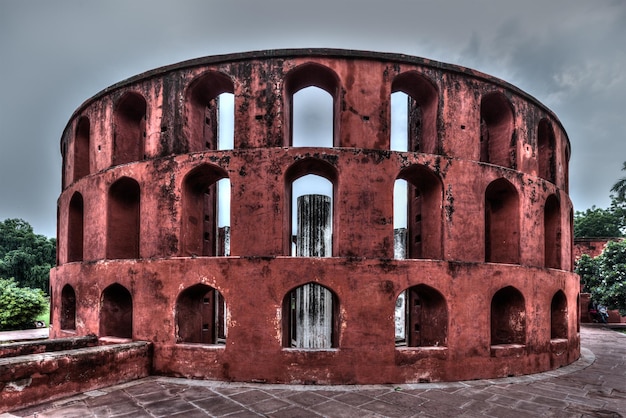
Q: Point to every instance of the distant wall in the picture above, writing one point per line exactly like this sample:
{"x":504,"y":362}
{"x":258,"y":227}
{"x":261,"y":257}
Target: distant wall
{"x":591,"y":246}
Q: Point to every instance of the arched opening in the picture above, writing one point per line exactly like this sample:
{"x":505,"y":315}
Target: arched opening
{"x":311,"y":117}
{"x":210,"y":112}
{"x":421,"y":206}
{"x":508,"y":317}
{"x":496,"y":131}
{"x":552,"y":232}
{"x":414,"y":103}
{"x":81,"y":148}
{"x":400,"y":221}
{"x":399,"y":131}
{"x":558,"y":316}
{"x":201,"y":316}
{"x":311,"y":221}
{"x":310,"y":187}
{"x":226,"y":121}
{"x":206,"y":212}
{"x":546,"y":151}
{"x":116,"y":312}
{"x":129,"y":129}
{"x":501,"y":223}
{"x":75,"y":228}
{"x":421,"y":318}
{"x":68,"y":308}
{"x":123,"y":212}
{"x":310,"y":318}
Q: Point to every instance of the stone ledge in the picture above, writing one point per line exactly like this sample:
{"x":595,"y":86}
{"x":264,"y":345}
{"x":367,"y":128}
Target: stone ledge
{"x":34,"y":378}
{"x":44,"y":346}
{"x":508,"y":350}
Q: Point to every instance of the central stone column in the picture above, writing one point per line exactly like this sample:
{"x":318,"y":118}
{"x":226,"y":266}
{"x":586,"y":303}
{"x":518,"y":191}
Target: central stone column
{"x":313,"y":303}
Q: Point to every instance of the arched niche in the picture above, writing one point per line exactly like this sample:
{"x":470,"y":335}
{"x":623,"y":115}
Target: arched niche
{"x":421,"y":318}
{"x":123,"y":219}
{"x":68,"y":308}
{"x":116,"y":312}
{"x":75,"y":228}
{"x":200,"y":211}
{"x":508,"y":317}
{"x":496,"y":131}
{"x":558,"y":316}
{"x":502,"y":223}
{"x":546,"y":151}
{"x":552,"y":232}
{"x":424,"y":214}
{"x":82,"y":139}
{"x":129,"y":132}
{"x":203,"y":106}
{"x":201,"y":316}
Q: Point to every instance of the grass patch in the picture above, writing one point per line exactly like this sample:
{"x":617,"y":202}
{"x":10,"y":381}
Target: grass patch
{"x":45,"y":315}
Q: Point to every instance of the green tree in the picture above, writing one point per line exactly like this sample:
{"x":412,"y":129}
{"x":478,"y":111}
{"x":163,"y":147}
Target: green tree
{"x":587,"y":269}
{"x":620,"y":187}
{"x":605,"y":275}
{"x":19,"y":306}
{"x":24,"y":255}
{"x":611,"y":290}
{"x":598,"y":222}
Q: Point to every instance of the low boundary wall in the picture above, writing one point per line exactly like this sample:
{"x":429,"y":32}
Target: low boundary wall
{"x":30,"y":379}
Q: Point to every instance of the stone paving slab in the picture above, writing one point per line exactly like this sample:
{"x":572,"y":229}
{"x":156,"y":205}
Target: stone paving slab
{"x":594,"y":386}
{"x":24,"y":335}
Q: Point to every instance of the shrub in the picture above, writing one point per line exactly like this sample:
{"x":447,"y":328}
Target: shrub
{"x":605,"y":276}
{"x":19,"y":306}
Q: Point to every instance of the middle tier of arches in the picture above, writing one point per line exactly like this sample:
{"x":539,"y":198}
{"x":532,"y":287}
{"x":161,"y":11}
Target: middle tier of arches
{"x":455,"y":210}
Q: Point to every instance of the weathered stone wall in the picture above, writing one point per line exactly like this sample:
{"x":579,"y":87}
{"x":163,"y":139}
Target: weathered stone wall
{"x":488,"y":257}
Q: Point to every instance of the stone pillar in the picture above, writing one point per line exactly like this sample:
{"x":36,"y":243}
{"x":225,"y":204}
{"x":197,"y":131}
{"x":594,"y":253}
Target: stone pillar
{"x":400,"y":318}
{"x":399,"y":253}
{"x":223,"y":241}
{"x":399,"y":243}
{"x":314,"y":303}
{"x":314,"y":238}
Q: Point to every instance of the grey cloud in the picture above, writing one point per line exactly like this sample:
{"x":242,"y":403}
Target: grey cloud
{"x":569,"y":54}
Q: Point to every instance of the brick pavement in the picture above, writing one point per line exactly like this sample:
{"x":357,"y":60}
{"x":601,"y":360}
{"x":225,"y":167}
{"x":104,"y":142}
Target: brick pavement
{"x":594,"y":386}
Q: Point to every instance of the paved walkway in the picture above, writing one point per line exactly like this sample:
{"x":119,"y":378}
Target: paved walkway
{"x":594,"y":386}
{"x":24,"y":335}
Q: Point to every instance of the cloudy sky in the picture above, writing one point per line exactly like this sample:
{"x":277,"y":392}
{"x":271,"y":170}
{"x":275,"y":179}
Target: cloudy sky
{"x":569,"y":54}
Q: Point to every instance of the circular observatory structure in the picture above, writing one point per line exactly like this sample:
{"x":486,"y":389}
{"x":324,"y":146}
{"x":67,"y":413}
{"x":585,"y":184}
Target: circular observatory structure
{"x":319,"y":216}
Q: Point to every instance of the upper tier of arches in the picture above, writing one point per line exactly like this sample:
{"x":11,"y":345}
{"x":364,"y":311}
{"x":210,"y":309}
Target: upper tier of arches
{"x":449,"y":111}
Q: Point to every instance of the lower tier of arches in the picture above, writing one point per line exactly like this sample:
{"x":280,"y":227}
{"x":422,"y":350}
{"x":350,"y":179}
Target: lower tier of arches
{"x":326,"y":320}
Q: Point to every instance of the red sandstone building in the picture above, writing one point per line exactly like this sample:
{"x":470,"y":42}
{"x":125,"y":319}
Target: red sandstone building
{"x":477,"y":282}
